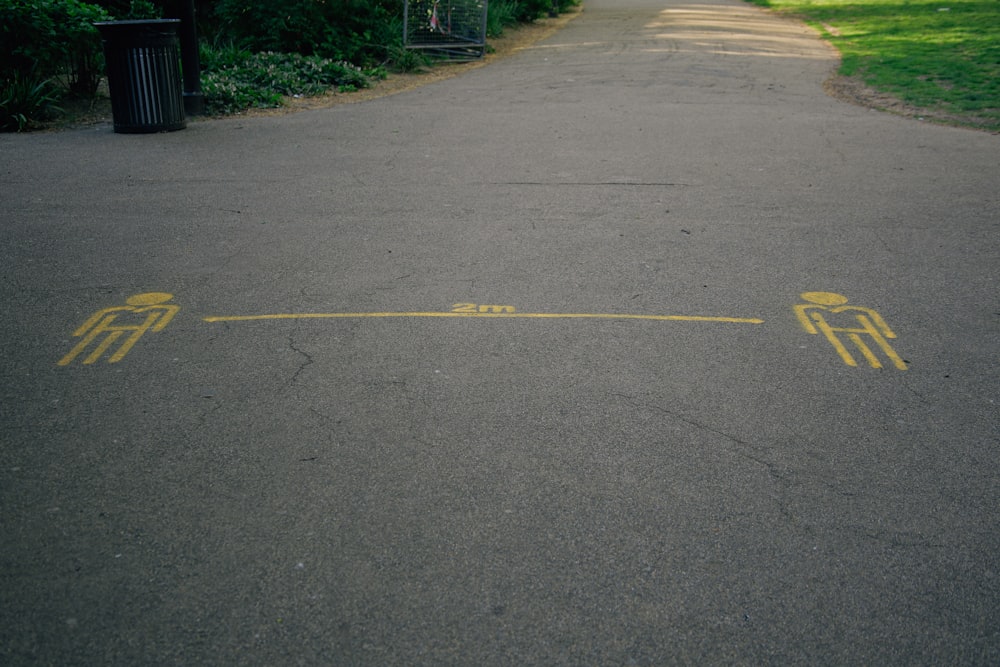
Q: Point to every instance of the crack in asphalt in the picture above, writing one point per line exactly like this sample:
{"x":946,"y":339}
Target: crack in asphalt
{"x":305,"y":364}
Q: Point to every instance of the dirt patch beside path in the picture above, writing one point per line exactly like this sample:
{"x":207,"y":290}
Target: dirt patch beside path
{"x":853,"y":90}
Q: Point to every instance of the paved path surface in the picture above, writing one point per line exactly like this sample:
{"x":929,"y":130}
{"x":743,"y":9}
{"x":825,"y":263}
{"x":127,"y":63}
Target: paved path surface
{"x":453,"y":448}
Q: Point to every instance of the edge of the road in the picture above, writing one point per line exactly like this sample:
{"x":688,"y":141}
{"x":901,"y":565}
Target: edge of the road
{"x":516,"y":38}
{"x":846,"y":89}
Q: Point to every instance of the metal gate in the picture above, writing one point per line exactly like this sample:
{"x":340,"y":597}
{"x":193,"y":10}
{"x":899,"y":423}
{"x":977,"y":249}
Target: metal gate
{"x":451,"y":29}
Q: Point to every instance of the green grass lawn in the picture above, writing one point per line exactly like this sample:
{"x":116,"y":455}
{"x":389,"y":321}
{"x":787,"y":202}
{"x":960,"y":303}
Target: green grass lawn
{"x":942,"y":55}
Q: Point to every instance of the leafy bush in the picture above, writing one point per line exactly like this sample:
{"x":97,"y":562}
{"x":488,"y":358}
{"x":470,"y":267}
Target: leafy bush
{"x":402,"y":59}
{"x":354,"y":30}
{"x":51,"y":38}
{"x":142,"y":10}
{"x":221,"y":56}
{"x":499,"y":15}
{"x":235,"y":79}
{"x":24,"y":99}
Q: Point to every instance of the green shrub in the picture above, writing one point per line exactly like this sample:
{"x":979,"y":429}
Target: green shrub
{"x":24,"y":99}
{"x":52,"y":39}
{"x":221,"y":56}
{"x":500,"y":14}
{"x":142,"y":10}
{"x":354,"y":30}
{"x":235,"y":80}
{"x":529,"y":10}
{"x":402,"y":59}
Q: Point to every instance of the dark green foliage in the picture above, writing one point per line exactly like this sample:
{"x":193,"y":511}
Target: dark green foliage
{"x":141,"y":10}
{"x":24,"y":99}
{"x":402,"y":59}
{"x":235,"y":79}
{"x":499,"y":15}
{"x":116,"y":8}
{"x":353,"y":30}
{"x":134,"y":10}
{"x":529,"y":10}
{"x":51,"y":38}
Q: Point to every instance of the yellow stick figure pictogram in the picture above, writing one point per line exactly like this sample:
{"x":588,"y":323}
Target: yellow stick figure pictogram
{"x":156,"y":313}
{"x":813,"y":317}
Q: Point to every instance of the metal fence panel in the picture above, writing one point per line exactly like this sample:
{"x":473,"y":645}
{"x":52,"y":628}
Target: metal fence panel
{"x":452,"y":29}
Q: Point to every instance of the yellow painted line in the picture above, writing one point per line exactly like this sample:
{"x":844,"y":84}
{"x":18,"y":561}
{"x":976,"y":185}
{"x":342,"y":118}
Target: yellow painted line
{"x":550,"y":316}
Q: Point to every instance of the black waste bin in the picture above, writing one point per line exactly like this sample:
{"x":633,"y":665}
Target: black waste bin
{"x":144,"y":75}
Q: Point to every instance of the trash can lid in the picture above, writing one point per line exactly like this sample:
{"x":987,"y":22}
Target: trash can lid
{"x":133,"y":30}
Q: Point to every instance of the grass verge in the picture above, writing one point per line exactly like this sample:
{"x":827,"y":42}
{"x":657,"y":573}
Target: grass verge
{"x":939,"y":58}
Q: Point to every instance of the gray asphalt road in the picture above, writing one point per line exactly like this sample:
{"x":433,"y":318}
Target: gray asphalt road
{"x":357,"y":385}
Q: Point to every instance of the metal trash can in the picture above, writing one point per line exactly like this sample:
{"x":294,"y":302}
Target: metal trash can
{"x":144,"y":75}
